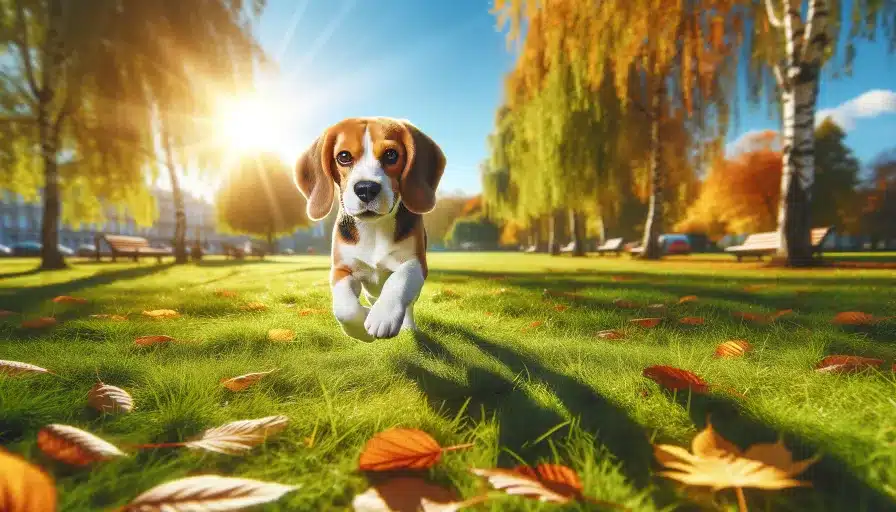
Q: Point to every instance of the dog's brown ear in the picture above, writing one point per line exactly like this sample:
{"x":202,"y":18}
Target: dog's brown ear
{"x":314,"y":177}
{"x":424,"y":168}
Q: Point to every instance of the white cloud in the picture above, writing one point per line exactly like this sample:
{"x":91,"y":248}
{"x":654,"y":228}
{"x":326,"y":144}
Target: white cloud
{"x":749,"y":140}
{"x":868,"y":104}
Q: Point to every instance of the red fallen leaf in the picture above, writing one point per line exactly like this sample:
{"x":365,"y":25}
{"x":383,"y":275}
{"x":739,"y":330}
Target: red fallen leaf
{"x":611,"y":334}
{"x":855,"y":318}
{"x":847,"y":364}
{"x":625,"y":304}
{"x":146,"y":341}
{"x":560,"y":308}
{"x":691,"y":320}
{"x":733,"y":348}
{"x":68,"y":299}
{"x":646,"y":322}
{"x":402,"y":448}
{"x":39,"y":323}
{"x":894,"y":367}
{"x":675,"y":378}
{"x":687,"y":298}
{"x":533,"y":325}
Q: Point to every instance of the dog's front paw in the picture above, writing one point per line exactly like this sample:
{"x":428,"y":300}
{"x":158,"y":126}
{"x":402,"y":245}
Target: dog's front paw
{"x":384,"y":319}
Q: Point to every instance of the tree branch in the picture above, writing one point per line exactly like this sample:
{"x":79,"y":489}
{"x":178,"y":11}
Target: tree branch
{"x":779,"y":76}
{"x":24,"y":51}
{"x":773,"y":18}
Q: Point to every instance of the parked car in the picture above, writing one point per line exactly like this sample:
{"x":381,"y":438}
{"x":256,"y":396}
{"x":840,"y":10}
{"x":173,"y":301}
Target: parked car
{"x":33,"y":249}
{"x":675,"y":244}
{"x":5,"y":251}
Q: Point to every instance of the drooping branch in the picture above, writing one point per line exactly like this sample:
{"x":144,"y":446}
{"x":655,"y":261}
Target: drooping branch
{"x":773,"y":18}
{"x":22,"y":41}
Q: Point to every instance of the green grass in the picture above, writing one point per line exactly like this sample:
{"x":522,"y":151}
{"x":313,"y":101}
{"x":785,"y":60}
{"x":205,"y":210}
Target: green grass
{"x":553,"y":392}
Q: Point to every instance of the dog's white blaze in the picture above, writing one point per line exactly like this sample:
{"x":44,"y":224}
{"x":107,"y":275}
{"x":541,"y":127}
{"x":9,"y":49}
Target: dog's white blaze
{"x":368,"y":168}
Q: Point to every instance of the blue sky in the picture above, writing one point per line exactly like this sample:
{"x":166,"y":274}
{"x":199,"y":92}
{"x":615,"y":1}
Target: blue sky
{"x":441,"y":65}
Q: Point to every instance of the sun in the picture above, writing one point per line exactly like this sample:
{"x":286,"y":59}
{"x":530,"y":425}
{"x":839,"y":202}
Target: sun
{"x":251,"y":124}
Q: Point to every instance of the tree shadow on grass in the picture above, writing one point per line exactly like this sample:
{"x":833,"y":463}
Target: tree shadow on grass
{"x":834,"y":485}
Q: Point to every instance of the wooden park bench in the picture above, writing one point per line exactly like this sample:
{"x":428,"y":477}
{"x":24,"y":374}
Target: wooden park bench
{"x":568,"y":247}
{"x":613,"y":245}
{"x":232,"y":251}
{"x":531,"y":249}
{"x":132,"y":246}
{"x":764,"y":244}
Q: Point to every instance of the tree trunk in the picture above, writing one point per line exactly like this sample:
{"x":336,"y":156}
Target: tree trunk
{"x":180,"y":214}
{"x":654,"y":225}
{"x":270,"y":242}
{"x":536,"y":234}
{"x":577,"y":229}
{"x":50,"y":257}
{"x":554,"y":234}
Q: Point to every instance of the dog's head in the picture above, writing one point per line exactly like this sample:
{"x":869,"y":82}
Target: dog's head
{"x":375,"y":162}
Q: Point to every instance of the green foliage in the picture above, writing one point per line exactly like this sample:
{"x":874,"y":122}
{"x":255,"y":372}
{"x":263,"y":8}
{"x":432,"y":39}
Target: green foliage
{"x":438,"y":222}
{"x":259,"y":197}
{"x":476,"y":229}
{"x":836,"y":176}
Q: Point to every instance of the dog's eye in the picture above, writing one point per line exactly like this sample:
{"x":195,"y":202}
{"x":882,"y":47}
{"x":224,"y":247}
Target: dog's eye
{"x":344,"y":158}
{"x":390,"y":156}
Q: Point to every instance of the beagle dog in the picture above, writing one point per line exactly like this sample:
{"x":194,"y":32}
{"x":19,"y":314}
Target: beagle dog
{"x":386,"y":172}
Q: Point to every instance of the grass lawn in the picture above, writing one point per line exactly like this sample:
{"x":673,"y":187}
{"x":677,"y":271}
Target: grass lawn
{"x":477,"y":372}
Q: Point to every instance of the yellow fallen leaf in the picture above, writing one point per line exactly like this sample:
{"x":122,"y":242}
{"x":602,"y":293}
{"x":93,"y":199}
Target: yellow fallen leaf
{"x":161,"y":313}
{"x":68,"y":299}
{"x":281,"y":335}
{"x":24,"y":487}
{"x":244,"y":381}
{"x":687,"y":298}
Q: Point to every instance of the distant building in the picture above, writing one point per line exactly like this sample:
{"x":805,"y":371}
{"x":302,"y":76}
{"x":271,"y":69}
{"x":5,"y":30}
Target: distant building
{"x":20,"y":221}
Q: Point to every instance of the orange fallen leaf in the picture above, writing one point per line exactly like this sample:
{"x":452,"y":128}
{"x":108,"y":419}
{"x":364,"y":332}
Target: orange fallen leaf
{"x":847,"y":364}
{"x":153,"y":339}
{"x":855,"y":318}
{"x":753,"y":317}
{"x":402,"y":448}
{"x":161,"y":313}
{"x":625,"y":304}
{"x":409,"y":494}
{"x":533,"y":325}
{"x":312,"y":311}
{"x":687,"y":298}
{"x":611,"y":334}
{"x":778,"y":314}
{"x":39,"y":323}
{"x":552,"y":483}
{"x":254,"y":306}
{"x":281,"y":335}
{"x":68,"y":299}
{"x":675,"y":378}
{"x":733,"y":348}
{"x":691,"y":320}
{"x":74,"y":446}
{"x":646,"y":322}
{"x":106,"y":316}
{"x":24,"y":487}
{"x":225,"y":293}
{"x":489,"y":313}
{"x":4,"y":313}
{"x":560,"y":308}
{"x":244,"y":381}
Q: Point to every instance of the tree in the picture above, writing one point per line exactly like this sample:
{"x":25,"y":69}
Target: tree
{"x":259,"y":197}
{"x":836,"y":176}
{"x":879,"y":199}
{"x":438,"y":222}
{"x":81,"y":96}
{"x":790,"y":42}
{"x":476,"y":229}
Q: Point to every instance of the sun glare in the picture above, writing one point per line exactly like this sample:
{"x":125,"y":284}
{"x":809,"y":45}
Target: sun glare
{"x":252,"y":124}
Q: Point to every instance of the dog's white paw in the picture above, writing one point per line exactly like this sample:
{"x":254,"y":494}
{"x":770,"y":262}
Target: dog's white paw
{"x":384,"y":319}
{"x":357,"y":331}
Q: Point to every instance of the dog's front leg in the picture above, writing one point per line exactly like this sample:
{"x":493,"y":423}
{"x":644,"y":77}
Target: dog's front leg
{"x":348,"y":309}
{"x":398,"y":294}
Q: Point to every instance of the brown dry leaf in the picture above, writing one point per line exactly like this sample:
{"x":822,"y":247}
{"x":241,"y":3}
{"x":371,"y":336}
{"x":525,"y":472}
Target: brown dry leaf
{"x":68,"y":299}
{"x":847,"y":364}
{"x":24,"y":487}
{"x":533,"y":325}
{"x":408,"y":494}
{"x":855,"y":318}
{"x":560,"y":308}
{"x":74,"y":446}
{"x":646,"y":322}
{"x":14,"y":368}
{"x":687,"y":298}
{"x":675,"y":378}
{"x":207,"y":492}
{"x":112,"y":399}
{"x":254,"y":306}
{"x":244,"y":381}
{"x":106,"y":316}
{"x":733,"y":348}
{"x":281,"y":335}
{"x":225,"y":293}
{"x":625,"y":304}
{"x":691,"y":320}
{"x":153,"y":339}
{"x":546,"y":482}
{"x":402,"y":448}
{"x":159,"y":314}
{"x":611,"y":334}
{"x":239,"y":436}
{"x":39,"y":323}
{"x":719,"y":464}
{"x":312,"y":311}
{"x":5,"y":313}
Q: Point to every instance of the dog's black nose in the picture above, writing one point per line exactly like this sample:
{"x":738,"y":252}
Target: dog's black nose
{"x":367,"y":190}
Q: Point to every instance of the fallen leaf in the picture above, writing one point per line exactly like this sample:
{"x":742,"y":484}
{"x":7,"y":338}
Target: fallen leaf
{"x":691,"y":320}
{"x":646,"y":322}
{"x":239,"y":436}
{"x":402,"y":448}
{"x":312,"y":311}
{"x":489,"y":313}
{"x":106,"y":398}
{"x":14,"y":368}
{"x":687,"y":298}
{"x":161,"y":313}
{"x":560,"y":308}
{"x":405,"y":494}
{"x":68,"y":299}
{"x":154,"y":339}
{"x":755,"y":287}
{"x":281,"y":335}
{"x":675,"y":378}
{"x":611,"y":334}
{"x":625,"y":304}
{"x":24,"y":487}
{"x":39,"y":323}
{"x":533,"y":325}
{"x":619,"y":279}
{"x":4,"y":313}
{"x":656,"y":309}
{"x":74,"y":446}
{"x":847,"y":364}
{"x":733,"y":348}
{"x":254,"y":306}
{"x":106,"y":316}
{"x":207,"y":493}
{"x":225,"y":293}
{"x":778,"y":314}
{"x":244,"y":381}
{"x":546,"y":482}
{"x":855,"y":318}
{"x":753,"y":317}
